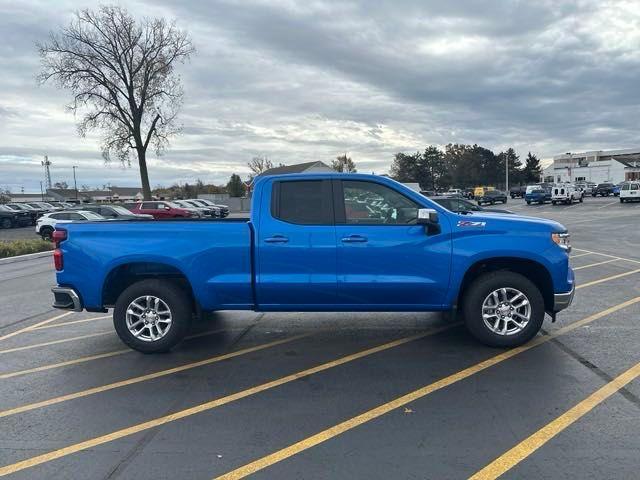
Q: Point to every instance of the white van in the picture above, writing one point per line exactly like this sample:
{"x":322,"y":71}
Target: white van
{"x":566,"y":193}
{"x":630,"y":192}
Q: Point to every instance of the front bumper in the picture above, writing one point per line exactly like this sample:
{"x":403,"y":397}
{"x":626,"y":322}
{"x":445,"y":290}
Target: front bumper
{"x":66,"y":299}
{"x":563,"y":300}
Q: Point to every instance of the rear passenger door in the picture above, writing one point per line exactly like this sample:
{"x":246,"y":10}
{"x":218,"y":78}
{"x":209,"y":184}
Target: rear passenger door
{"x":296,"y":246}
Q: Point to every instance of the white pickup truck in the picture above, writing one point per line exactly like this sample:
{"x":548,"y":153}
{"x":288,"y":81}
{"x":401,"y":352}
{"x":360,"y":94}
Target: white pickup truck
{"x":566,"y":193}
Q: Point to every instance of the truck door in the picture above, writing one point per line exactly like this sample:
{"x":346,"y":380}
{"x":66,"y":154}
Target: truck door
{"x":386,"y":260}
{"x":296,"y":246}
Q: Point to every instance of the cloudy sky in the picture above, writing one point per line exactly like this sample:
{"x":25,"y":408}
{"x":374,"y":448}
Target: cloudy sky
{"x":309,"y":80}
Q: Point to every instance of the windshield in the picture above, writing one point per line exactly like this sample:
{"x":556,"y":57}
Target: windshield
{"x":174,"y":205}
{"x":92,"y":216}
{"x":120,"y":210}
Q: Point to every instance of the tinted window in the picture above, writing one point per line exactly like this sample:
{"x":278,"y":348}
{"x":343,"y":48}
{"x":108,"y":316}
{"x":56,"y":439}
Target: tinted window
{"x":60,"y":216}
{"x":305,"y":202}
{"x":373,"y":203}
{"x":625,"y":186}
{"x":75,"y":216}
{"x":635,"y":186}
{"x":149,"y":206}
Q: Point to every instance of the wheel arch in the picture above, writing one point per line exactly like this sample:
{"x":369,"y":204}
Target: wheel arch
{"x":122,"y":276}
{"x":532,"y":270}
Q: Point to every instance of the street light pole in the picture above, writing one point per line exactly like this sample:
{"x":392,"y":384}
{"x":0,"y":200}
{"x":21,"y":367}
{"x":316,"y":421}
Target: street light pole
{"x":75,"y":185}
{"x":41,"y":191}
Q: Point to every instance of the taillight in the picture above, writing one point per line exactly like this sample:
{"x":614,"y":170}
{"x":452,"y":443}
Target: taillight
{"x":57,"y":259}
{"x":58,"y":236}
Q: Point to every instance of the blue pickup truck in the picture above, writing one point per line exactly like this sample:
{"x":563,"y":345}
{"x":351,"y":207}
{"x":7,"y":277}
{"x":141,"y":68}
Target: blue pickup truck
{"x":318,"y":242}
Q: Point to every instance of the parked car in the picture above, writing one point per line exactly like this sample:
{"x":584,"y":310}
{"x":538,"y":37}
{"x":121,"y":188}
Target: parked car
{"x":163,"y":210}
{"x":194,"y":207}
{"x":409,"y":253}
{"x":492,"y":197}
{"x":566,"y":193}
{"x":46,"y":224}
{"x":468,"y":193}
{"x":23,"y":208}
{"x":11,"y":218}
{"x":454,"y":191}
{"x":47,"y":207}
{"x":461,"y":205}
{"x":630,"y":192}
{"x":221,"y":211}
{"x":586,"y":187}
{"x":480,"y":191}
{"x":616,"y":189}
{"x":537,"y":194}
{"x":603,"y":189}
{"x":517,"y":192}
{"x":113,"y":211}
{"x":428,"y":193}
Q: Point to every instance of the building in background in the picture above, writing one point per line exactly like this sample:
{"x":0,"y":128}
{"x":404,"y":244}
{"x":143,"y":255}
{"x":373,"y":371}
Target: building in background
{"x":596,"y":166}
{"x":112,"y":194}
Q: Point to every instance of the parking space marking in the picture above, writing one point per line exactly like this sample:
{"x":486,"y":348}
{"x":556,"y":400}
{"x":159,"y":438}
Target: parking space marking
{"x":608,"y":255}
{"x":606,"y":279}
{"x":607,"y":204}
{"x":89,"y":358}
{"x":156,"y":422}
{"x":149,"y":376}
{"x":596,"y":264}
{"x":31,"y":327}
{"x":54,"y":342}
{"x":399,"y":402}
{"x":580,"y":255}
{"x":73,"y":322}
{"x":524,"y":449}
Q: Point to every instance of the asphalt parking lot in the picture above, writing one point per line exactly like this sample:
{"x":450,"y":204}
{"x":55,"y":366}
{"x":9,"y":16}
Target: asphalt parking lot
{"x":325,"y":395}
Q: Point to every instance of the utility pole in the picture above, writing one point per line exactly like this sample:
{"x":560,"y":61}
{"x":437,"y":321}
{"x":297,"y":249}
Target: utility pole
{"x":506,"y":169}
{"x":41,"y":191}
{"x":75,"y":184}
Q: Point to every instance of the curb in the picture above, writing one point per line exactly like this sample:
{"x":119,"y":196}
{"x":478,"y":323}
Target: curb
{"x":24,"y":258}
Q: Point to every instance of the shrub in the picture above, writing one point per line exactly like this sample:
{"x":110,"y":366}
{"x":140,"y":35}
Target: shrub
{"x":22,"y":247}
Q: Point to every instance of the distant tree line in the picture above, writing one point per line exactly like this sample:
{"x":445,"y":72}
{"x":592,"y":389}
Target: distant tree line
{"x":462,"y":166}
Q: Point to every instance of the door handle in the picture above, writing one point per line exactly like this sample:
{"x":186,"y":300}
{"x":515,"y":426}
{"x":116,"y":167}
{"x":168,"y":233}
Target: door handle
{"x":276,"y":239}
{"x":354,"y":239}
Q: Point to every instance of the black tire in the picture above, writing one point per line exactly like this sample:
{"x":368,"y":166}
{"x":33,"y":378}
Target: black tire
{"x":622,"y":200}
{"x":553,"y":202}
{"x":581,"y":199}
{"x":170,"y":293}
{"x":46,"y":233}
{"x":528,"y":202}
{"x":483,"y":286}
{"x":6,"y":223}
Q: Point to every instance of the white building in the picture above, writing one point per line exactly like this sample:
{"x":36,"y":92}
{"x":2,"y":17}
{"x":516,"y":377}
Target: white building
{"x":600,"y":166}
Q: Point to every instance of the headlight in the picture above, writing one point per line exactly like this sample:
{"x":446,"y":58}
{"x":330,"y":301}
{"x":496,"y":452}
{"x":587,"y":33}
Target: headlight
{"x":563,"y":240}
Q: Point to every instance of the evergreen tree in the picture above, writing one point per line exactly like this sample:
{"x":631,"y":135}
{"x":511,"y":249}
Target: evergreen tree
{"x":235,"y":187}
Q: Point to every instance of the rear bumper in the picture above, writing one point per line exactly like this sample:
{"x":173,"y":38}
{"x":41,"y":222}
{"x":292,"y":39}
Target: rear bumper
{"x":66,"y":299}
{"x":563,"y":300}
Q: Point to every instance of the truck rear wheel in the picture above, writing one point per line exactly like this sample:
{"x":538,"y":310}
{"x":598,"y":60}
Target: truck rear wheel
{"x":503,"y":309}
{"x":152,"y":316}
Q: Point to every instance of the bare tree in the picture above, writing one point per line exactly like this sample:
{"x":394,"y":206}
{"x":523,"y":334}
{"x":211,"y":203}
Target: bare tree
{"x":259,"y":165}
{"x":122,"y":75}
{"x":344,"y":164}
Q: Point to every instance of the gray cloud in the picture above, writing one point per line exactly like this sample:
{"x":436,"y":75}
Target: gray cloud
{"x":301,"y":81}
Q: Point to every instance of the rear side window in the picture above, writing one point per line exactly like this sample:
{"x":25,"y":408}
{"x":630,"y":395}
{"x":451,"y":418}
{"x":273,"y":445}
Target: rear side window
{"x":635,"y":186}
{"x":305,"y":202}
{"x":149,"y":206}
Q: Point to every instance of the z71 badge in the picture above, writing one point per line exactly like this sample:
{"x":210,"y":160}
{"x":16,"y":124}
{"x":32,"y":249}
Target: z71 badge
{"x":469,"y":223}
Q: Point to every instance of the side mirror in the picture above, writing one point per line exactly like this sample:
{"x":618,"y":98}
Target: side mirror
{"x":427,"y":216}
{"x":167,"y":207}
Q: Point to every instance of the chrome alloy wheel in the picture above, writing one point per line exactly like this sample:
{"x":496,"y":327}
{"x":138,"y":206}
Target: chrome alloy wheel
{"x":148,"y":318}
{"x":506,"y":311}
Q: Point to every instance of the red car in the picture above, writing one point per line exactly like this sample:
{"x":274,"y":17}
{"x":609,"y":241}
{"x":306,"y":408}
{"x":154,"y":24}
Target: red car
{"x":161,"y":210}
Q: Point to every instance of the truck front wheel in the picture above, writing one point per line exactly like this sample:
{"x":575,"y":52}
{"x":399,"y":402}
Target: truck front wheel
{"x":152,"y":316}
{"x":503,"y":309}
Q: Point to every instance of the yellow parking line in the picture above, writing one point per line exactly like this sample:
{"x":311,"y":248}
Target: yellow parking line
{"x":606,"y":279}
{"x":380,"y":410}
{"x":511,"y":458}
{"x":31,"y":327}
{"x":73,"y":322}
{"x":78,"y":447}
{"x":54,"y":342}
{"x":150,"y":376}
{"x":596,"y":264}
{"x":76,"y":361}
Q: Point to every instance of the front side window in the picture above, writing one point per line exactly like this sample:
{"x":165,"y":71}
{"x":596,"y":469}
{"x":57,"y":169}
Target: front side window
{"x":375,"y":204}
{"x":149,"y":206}
{"x":635,"y":186}
{"x":304,"y":202}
